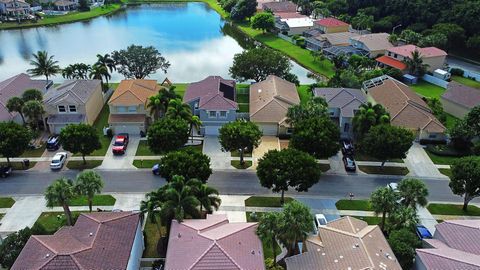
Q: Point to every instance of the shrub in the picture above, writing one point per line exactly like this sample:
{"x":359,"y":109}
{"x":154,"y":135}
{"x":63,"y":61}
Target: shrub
{"x":456,"y":71}
{"x":476,"y":149}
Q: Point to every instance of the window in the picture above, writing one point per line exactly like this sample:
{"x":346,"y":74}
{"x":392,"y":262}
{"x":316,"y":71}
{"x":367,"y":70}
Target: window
{"x":121,"y":109}
{"x":212,"y":114}
{"x":395,"y":55}
{"x":196,"y":105}
{"x":289,"y":131}
{"x":72,"y":108}
{"x":132,"y":108}
{"x":332,"y":113}
{"x":62,"y":109}
{"x":346,"y":127}
{"x":223,"y":114}
{"x":389,"y":54}
{"x":432,"y":136}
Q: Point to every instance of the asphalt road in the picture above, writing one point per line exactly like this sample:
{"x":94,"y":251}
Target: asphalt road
{"x":227,"y":182}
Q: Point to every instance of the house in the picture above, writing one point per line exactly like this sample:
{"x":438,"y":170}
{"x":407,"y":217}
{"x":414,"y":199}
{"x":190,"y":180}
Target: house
{"x":73,"y":102}
{"x":269,"y":103}
{"x":14,"y":7}
{"x":65,"y":5}
{"x":345,"y":243}
{"x":394,"y":57}
{"x":343,"y":103}
{"x":14,"y":87}
{"x":214,"y":243}
{"x":213,"y":100}
{"x":323,"y":41}
{"x":332,"y":25}
{"x":459,"y":99}
{"x":293,"y":23}
{"x":455,"y":245}
{"x":284,"y":6}
{"x":374,"y":44}
{"x":406,"y":108}
{"x":101,"y":240}
{"x":128,"y":106}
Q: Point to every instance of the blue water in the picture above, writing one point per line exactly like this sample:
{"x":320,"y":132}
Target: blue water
{"x":189,"y":35}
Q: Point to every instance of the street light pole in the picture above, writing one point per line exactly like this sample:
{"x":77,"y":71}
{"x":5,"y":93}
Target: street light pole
{"x":395,"y":27}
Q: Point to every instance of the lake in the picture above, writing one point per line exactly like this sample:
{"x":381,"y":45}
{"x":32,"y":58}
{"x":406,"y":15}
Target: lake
{"x":192,"y":36}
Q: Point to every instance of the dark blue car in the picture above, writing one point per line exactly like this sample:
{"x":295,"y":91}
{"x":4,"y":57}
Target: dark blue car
{"x":156,"y":169}
{"x":422,"y":232}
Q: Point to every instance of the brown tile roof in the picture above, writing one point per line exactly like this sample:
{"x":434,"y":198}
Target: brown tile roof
{"x":462,"y":95}
{"x":374,"y":42}
{"x":126,"y":118}
{"x":213,"y":93}
{"x":346,"y":243}
{"x":283,"y":6}
{"x":214,"y":244}
{"x":455,"y":245}
{"x":271,"y":98}
{"x":101,"y":240}
{"x":134,"y":92}
{"x":406,"y":108}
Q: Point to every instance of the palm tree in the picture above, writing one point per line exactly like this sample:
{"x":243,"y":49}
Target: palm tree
{"x":32,"y":94}
{"x":99,"y":72}
{"x":43,"y":65}
{"x":67,"y":72}
{"x":297,"y":224}
{"x":61,"y":192}
{"x":76,"y":71}
{"x":156,"y":106}
{"x":383,"y":201}
{"x":196,"y":123}
{"x":178,"y":109}
{"x":89,"y":183}
{"x":33,"y":109}
{"x":15,"y":104}
{"x":402,"y":217}
{"x":413,"y":192}
{"x":208,"y":198}
{"x":367,"y":116}
{"x":269,"y":227}
{"x":106,"y":61}
{"x":153,"y":204}
{"x":415,"y":64}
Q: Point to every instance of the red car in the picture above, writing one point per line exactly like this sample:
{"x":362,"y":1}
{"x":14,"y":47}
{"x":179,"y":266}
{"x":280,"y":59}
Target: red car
{"x":120,"y":144}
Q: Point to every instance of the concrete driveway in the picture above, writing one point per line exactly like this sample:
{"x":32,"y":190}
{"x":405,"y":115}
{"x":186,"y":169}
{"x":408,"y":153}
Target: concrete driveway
{"x":213,"y":149}
{"x":268,"y":143}
{"x":124,"y":161}
{"x":322,"y":206}
{"x":419,"y":163}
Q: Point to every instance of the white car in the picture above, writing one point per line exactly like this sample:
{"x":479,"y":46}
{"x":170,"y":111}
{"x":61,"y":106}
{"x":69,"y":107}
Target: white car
{"x":393,"y":186}
{"x":320,"y":220}
{"x":58,"y":161}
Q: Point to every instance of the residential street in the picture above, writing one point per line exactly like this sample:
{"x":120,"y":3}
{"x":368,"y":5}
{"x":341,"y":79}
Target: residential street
{"x":227,"y":182}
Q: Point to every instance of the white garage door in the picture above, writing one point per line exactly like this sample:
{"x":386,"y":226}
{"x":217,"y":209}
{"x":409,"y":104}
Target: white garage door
{"x":212,"y":130}
{"x":269,"y":129}
{"x":133,"y":129}
{"x":57,"y":128}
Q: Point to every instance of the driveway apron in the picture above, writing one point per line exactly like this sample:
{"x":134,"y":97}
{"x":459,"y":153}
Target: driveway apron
{"x":322,"y":206}
{"x":23,"y":213}
{"x":419,"y":163}
{"x":268,"y":143}
{"x":213,"y":149}
{"x":125,"y":161}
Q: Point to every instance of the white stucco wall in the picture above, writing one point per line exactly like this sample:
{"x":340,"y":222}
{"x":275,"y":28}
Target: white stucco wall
{"x":137,"y":250}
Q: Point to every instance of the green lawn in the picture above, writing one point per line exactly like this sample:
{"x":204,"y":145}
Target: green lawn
{"x":68,"y":18}
{"x":244,"y":108}
{"x":267,"y":247}
{"x":324,"y":167}
{"x":364,"y":157}
{"x":237,"y":154}
{"x":304,"y":93}
{"x":387,"y":170}
{"x":427,"y":89}
{"x":237,"y":165}
{"x":452,"y":209}
{"x":446,"y":172}
{"x":262,"y":201}
{"x":371,"y":220}
{"x":98,"y":200}
{"x":243,"y":98}
{"x":451,"y":120}
{"x":78,"y":164}
{"x":152,"y":236}
{"x":144,"y":150}
{"x":52,"y":221}
{"x":6,"y":202}
{"x":466,"y":81}
{"x":145,"y":164}
{"x":180,"y":88}
{"x":18,"y":166}
{"x":443,"y":160}
{"x":100,"y":123}
{"x":361,"y":205}
{"x":34,"y":152}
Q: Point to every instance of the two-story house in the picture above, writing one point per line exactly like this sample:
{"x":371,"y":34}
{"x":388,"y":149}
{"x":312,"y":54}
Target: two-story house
{"x":14,"y":7}
{"x":128,"y":113}
{"x":73,"y":102}
{"x":395,"y":57}
{"x":213,"y":100}
{"x":374,"y":44}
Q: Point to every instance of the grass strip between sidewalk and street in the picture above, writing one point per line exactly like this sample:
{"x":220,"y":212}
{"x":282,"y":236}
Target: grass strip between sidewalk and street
{"x":386,"y":170}
{"x":264,"y":201}
{"x":98,"y":200}
{"x":359,"y":205}
{"x":236,"y":163}
{"x":145,"y":163}
{"x":453,"y":209}
{"x":446,"y":172}
{"x":78,"y":164}
{"x":18,"y":166}
{"x":6,"y":202}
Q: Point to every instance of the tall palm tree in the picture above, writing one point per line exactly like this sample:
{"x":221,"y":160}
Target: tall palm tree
{"x":208,"y":198}
{"x":106,"y":61}
{"x":89,"y":183}
{"x":67,"y":72}
{"x":297,"y":224}
{"x":43,"y":65}
{"x":153,"y":204}
{"x":76,"y":71}
{"x":33,"y":110}
{"x":269,"y":227}
{"x":32,"y":94}
{"x":61,"y":192}
{"x":178,"y":109}
{"x":196,"y":123}
{"x":156,"y":106}
{"x":383,"y":201}
{"x":15,"y":104}
{"x":99,"y":72}
{"x":413,"y":192}
{"x":367,"y":116}
{"x":415,"y":64}
{"x":402,"y":217}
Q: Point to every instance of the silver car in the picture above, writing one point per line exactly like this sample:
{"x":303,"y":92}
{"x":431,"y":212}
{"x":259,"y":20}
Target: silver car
{"x":58,"y":161}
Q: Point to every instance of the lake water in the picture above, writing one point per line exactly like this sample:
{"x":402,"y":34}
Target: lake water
{"x":192,"y":36}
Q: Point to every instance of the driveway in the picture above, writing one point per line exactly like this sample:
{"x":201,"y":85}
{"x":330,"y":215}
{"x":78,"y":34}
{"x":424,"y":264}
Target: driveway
{"x":268,"y":143}
{"x":419,"y":163}
{"x":45,"y":165}
{"x":23,"y":213}
{"x":213,"y":149}
{"x":322,"y":206}
{"x":124,"y":161}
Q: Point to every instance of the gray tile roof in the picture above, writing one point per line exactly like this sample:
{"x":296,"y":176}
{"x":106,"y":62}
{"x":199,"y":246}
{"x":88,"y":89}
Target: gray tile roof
{"x":213,"y":93}
{"x":348,"y":100}
{"x":79,"y":90}
{"x":463,"y":95}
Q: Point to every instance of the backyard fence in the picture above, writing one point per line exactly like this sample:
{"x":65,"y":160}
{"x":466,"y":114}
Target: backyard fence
{"x":245,"y":116}
{"x":287,"y":38}
{"x":435,"y":80}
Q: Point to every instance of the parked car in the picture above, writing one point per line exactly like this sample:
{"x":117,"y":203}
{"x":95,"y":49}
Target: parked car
{"x":5,"y":171}
{"x":347,"y":147}
{"x":393,"y":186}
{"x":58,"y":161}
{"x":349,"y":163}
{"x":156,"y":169}
{"x":320,"y":220}
{"x":120,"y":144}
{"x":53,"y":143}
{"x":423,"y":232}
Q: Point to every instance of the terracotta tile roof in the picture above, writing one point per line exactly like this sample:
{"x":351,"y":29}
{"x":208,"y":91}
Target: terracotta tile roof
{"x":126,"y":118}
{"x":134,"y":92}
{"x":348,"y":100}
{"x":284,"y":6}
{"x":14,"y":87}
{"x":406,"y":108}
{"x":375,"y":42}
{"x":101,"y":240}
{"x":213,"y":93}
{"x":391,"y":62}
{"x":78,"y":91}
{"x":455,"y":245}
{"x":346,"y":243}
{"x":461,"y":94}
{"x":271,"y":98}
{"x":330,"y":22}
{"x":214,"y":244}
{"x":407,"y":50}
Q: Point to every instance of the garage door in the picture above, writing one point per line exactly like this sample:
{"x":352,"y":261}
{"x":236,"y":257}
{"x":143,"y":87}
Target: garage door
{"x":269,"y":129}
{"x":212,"y":130}
{"x":130,"y":129}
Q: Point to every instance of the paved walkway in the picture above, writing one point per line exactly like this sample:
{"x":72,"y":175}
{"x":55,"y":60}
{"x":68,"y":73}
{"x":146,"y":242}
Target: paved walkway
{"x":125,"y":161}
{"x":419,"y":163}
{"x":233,"y":207}
{"x":213,"y":149}
{"x":426,"y":219}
